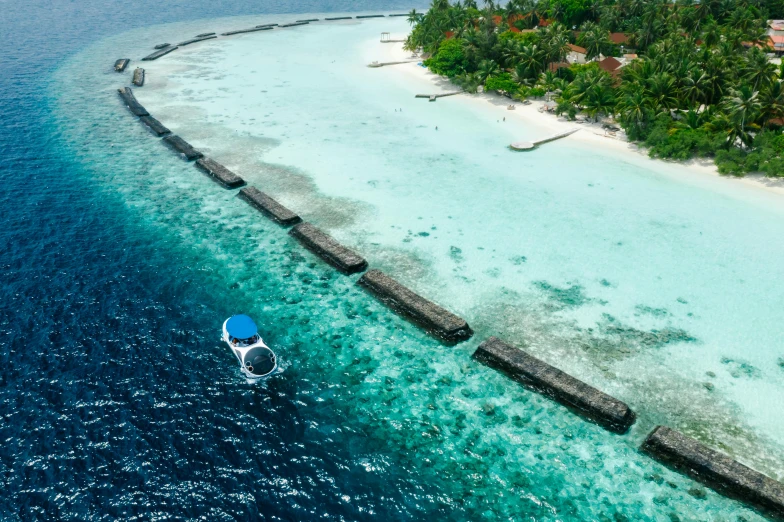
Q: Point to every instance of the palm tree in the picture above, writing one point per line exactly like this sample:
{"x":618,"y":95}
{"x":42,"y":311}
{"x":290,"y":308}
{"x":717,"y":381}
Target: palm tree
{"x":530,"y":62}
{"x":414,"y":17}
{"x":771,"y":102}
{"x":742,"y":106}
{"x":634,"y":110}
{"x":661,"y":91}
{"x":595,"y":40}
{"x":487,"y":68}
{"x":758,"y":69}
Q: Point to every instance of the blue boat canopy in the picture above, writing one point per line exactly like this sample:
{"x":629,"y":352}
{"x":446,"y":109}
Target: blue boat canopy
{"x":241,"y":327}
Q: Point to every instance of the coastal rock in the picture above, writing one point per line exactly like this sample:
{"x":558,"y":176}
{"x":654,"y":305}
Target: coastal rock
{"x":715,"y":469}
{"x":121,"y":64}
{"x":130,"y":100}
{"x":183,"y":147}
{"x":138,"y":77}
{"x":220,"y":173}
{"x":436,"y":319}
{"x":536,"y":374}
{"x":323,"y":245}
{"x":269,"y":206}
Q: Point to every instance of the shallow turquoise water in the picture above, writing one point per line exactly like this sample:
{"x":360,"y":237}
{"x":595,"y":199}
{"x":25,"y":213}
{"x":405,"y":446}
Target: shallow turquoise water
{"x":549,"y":258}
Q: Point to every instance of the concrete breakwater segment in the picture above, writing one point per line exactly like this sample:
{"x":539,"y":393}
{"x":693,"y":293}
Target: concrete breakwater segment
{"x":130,"y":100}
{"x":183,"y":147}
{"x":158,"y":54}
{"x":309,"y":20}
{"x":715,"y":469}
{"x":194,"y":40}
{"x":436,"y":319}
{"x":294,"y":24}
{"x":220,"y":173}
{"x":138,"y":77}
{"x":269,"y":206}
{"x":370,"y":16}
{"x":339,"y":18}
{"x":155,"y":126}
{"x":267,"y":25}
{"x":204,"y":34}
{"x":121,"y":64}
{"x":323,"y":245}
{"x":251,"y":30}
{"x":398,"y":14}
{"x":536,"y":374}
{"x":162,"y":46}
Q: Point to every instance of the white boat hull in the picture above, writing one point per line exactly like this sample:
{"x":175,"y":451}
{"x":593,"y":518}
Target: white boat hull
{"x":257,"y":360}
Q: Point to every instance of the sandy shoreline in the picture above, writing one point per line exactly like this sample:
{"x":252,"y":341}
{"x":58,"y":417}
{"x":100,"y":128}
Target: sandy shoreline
{"x":590,"y":134}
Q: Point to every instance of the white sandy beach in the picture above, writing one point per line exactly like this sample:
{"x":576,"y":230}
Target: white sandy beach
{"x":591,"y":134}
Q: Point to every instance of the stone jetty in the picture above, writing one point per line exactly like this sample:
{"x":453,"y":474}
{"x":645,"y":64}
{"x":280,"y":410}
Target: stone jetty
{"x":536,"y":374}
{"x":194,"y":40}
{"x":159,"y":53}
{"x":121,"y":64}
{"x":436,"y":319}
{"x":183,"y":147}
{"x":130,"y":100}
{"x":715,"y":469}
{"x":251,"y":30}
{"x":155,"y":126}
{"x":323,"y":245}
{"x":269,"y":206}
{"x":138,"y":77}
{"x":220,"y":173}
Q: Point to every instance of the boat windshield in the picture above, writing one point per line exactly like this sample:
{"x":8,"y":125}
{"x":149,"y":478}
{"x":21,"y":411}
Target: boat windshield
{"x":244,"y":342}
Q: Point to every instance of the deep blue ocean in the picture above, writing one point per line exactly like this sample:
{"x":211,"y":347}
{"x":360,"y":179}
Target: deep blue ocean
{"x":106,"y":413}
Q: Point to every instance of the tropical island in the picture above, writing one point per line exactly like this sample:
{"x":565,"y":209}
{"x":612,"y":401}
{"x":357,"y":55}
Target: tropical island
{"x":684,"y":79}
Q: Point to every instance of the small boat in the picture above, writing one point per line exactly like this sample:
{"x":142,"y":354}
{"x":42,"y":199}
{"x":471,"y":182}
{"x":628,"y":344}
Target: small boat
{"x":256,"y":359}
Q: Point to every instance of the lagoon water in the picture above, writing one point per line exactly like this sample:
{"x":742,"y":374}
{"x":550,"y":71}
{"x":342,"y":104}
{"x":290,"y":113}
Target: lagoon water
{"x":123,"y":261}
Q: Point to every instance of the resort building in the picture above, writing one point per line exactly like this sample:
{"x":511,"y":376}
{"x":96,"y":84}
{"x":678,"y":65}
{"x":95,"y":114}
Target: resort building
{"x":576,"y":54}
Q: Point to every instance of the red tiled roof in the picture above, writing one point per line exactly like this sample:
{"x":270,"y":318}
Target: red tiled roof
{"x":609,"y":64}
{"x":554,"y":66}
{"x":619,"y":38}
{"x":577,"y":49}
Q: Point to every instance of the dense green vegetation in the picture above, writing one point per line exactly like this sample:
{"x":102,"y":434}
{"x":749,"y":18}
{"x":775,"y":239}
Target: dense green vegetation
{"x":701,"y":86}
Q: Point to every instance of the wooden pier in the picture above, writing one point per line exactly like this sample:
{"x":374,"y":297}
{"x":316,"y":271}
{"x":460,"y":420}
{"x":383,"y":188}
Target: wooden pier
{"x":528,"y":145}
{"x":382,"y":64}
{"x":434,"y":97}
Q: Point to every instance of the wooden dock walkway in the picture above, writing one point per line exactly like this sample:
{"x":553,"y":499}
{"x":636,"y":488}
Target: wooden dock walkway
{"x":382,"y":64}
{"x":434,"y":97}
{"x":528,"y":145}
